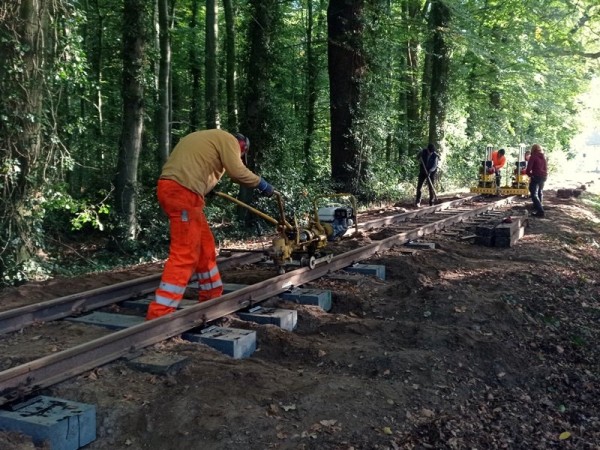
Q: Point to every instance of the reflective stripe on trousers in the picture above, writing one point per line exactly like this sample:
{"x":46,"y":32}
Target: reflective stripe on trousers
{"x":210,"y":284}
{"x":192,"y":250}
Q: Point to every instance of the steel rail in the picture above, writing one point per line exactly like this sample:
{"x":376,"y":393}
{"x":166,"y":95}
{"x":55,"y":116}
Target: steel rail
{"x":26,"y":378}
{"x":376,"y":223}
{"x":74,"y":304}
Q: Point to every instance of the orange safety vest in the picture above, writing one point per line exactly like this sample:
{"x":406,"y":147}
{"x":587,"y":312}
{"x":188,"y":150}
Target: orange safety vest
{"x":498,"y":160}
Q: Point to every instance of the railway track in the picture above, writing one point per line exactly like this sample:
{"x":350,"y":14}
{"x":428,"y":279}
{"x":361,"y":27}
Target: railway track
{"x":79,"y":303}
{"x":24,"y":379}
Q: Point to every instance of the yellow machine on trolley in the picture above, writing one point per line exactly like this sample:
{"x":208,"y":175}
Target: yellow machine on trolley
{"x":487,"y":177}
{"x":487,"y":185}
{"x":305,"y":245}
{"x":520,"y":181}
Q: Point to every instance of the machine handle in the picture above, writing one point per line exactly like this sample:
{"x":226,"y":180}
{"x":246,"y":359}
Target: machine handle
{"x":260,"y":213}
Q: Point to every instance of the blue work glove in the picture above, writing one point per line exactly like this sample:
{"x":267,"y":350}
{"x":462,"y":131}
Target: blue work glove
{"x":265,"y":188}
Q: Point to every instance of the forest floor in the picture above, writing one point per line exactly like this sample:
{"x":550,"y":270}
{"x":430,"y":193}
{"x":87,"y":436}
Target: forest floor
{"x":460,"y":347}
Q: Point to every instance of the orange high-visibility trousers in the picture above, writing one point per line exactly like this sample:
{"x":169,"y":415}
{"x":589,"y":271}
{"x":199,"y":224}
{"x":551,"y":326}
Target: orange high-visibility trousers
{"x":192,"y":252}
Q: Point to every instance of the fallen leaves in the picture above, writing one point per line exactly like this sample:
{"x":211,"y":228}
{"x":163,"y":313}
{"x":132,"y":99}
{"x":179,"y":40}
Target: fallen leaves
{"x":564,"y":435}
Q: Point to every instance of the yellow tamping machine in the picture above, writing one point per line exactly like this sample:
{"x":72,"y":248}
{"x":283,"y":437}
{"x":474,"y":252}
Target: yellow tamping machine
{"x":487,"y":176}
{"x":520,"y":181}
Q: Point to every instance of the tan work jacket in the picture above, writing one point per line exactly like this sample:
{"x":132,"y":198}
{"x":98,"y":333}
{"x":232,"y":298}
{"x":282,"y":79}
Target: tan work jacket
{"x":200,"y":159}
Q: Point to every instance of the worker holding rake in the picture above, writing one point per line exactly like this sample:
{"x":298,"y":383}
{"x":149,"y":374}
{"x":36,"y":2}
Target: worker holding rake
{"x":428,"y":164}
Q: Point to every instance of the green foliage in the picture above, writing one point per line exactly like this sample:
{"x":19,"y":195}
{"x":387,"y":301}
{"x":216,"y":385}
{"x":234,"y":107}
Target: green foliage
{"x":513,"y":82}
{"x":84,"y":237}
{"x":89,"y":214}
{"x":516,"y":70}
{"x":64,"y":214}
{"x":153,"y":238}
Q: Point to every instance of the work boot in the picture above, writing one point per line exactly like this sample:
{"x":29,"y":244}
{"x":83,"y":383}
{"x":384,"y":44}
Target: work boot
{"x":417,"y":204}
{"x":156,"y":310}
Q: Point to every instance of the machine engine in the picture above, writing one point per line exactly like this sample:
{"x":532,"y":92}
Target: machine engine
{"x":338,"y":217}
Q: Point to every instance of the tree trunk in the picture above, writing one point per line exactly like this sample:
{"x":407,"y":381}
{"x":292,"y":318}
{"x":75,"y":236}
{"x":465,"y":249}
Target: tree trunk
{"x":440,"y":18}
{"x":97,"y":61}
{"x":258,"y":114}
{"x":413,"y":131}
{"x":195,"y":71}
{"x":230,"y":87}
{"x":164,"y":75}
{"x":133,"y":114}
{"x":346,"y":68}
{"x":210,"y":61}
{"x":24,"y":28}
{"x":312,"y":74}
{"x":427,"y":64}
{"x":97,"y":68}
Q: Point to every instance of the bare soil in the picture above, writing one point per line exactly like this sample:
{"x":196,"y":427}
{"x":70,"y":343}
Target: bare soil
{"x":460,"y":347}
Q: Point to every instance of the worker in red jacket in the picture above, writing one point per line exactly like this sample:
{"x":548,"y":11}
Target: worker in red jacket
{"x":192,"y":170}
{"x":498,"y":161}
{"x":537,"y":169}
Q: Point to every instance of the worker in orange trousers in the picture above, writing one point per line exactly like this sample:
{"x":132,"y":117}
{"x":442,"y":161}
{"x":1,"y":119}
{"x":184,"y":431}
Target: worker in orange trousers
{"x":194,"y":167}
{"x":498,"y":161}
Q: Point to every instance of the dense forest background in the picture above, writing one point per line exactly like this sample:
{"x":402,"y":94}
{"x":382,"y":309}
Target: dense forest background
{"x":336,"y":96}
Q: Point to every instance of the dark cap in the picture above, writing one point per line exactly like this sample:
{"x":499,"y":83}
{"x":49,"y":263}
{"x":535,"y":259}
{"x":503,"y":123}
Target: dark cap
{"x":431,"y":147}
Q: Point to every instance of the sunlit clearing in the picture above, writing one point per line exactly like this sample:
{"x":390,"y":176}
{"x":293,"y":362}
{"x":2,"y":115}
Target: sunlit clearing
{"x":585,"y":166}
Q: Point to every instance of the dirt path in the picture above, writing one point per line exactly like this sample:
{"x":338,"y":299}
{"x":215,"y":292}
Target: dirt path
{"x":460,"y":347}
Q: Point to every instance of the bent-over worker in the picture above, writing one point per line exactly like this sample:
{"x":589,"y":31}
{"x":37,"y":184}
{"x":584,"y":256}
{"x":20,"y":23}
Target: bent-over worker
{"x":498,"y":161}
{"x":192,"y":170}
